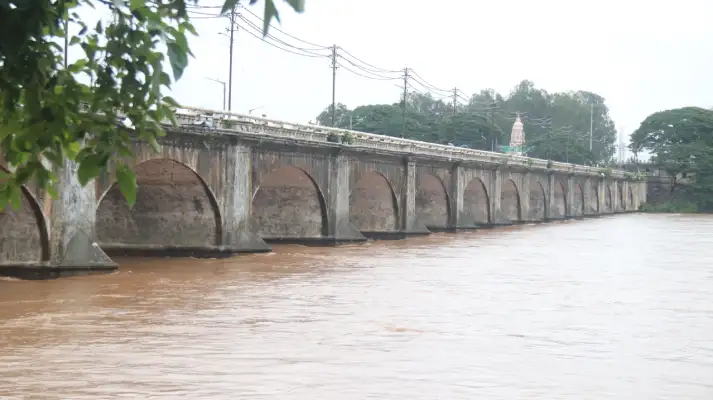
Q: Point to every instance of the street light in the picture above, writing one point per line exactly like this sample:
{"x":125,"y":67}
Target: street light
{"x":250,"y":111}
{"x":222,"y":83}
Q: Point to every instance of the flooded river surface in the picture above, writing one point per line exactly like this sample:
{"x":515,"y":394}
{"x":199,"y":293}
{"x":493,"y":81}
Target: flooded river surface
{"x":610,"y":308}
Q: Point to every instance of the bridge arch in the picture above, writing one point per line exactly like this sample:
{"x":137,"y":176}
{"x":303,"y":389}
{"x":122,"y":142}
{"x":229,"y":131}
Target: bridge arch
{"x":559,"y":201}
{"x":538,"y":201}
{"x":432,"y":202}
{"x":174,"y":207}
{"x":578,"y":203}
{"x":372,"y":204}
{"x":510,"y":202}
{"x":24,"y":235}
{"x":476,"y":202}
{"x":289,"y":204}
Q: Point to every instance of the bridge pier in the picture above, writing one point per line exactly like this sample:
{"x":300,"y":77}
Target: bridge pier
{"x":67,"y":235}
{"x":339,"y":228}
{"x":459,"y":219}
{"x":234,"y":198}
{"x":411,"y":225}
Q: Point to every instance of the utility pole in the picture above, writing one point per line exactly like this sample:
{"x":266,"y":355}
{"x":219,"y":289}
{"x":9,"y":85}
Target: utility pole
{"x":591,"y":124}
{"x":334,"y":84}
{"x":492,"y":126}
{"x":230,"y":63}
{"x":403,"y":104}
{"x":549,"y":138}
{"x":455,"y":100}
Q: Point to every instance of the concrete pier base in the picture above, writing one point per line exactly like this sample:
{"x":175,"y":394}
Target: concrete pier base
{"x":40,"y":272}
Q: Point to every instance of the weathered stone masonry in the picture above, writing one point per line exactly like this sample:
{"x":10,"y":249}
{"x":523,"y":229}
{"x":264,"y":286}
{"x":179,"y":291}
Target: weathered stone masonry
{"x":226,"y":191}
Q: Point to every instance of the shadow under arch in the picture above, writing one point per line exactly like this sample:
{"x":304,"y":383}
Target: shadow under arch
{"x":366,"y":205}
{"x":430,"y":210}
{"x":538,"y":201}
{"x":479,"y":212}
{"x":511,"y":210}
{"x":172,"y":183}
{"x":269,"y":227}
{"x":40,"y":222}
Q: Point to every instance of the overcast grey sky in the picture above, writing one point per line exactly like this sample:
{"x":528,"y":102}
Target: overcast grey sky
{"x":641,"y":56}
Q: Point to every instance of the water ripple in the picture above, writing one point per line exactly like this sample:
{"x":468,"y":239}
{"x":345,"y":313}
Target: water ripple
{"x":611,"y":308}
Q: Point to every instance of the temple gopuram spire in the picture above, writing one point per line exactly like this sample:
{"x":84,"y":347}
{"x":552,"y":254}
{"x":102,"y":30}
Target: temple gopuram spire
{"x":517,"y":137}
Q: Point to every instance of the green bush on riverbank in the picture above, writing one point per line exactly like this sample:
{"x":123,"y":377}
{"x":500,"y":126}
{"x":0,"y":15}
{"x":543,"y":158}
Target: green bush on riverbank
{"x":671,"y":206}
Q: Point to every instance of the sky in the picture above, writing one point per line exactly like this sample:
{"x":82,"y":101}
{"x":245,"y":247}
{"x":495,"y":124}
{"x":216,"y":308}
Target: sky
{"x":641,"y":56}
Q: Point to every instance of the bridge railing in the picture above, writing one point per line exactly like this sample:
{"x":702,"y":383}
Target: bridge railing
{"x":242,"y":123}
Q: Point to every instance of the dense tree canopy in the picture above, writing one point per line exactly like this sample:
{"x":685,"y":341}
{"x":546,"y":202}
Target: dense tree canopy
{"x":556,"y":125}
{"x":681,"y":142}
{"x":53,"y":109}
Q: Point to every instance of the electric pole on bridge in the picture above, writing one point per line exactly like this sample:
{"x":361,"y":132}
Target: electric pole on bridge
{"x":230,"y":62}
{"x":334,"y":84}
{"x":455,"y":100}
{"x":403,"y":104}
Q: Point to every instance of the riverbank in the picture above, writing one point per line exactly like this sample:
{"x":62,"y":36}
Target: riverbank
{"x":670,"y":206}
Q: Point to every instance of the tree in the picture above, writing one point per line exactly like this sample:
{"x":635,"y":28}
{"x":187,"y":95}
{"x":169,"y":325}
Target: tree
{"x":87,"y":111}
{"x":681,"y":142}
{"x":556,"y":125}
{"x":341,"y":116}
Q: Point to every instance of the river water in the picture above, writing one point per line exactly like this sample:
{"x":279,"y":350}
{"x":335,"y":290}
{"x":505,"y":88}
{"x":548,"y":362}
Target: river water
{"x":611,"y":308}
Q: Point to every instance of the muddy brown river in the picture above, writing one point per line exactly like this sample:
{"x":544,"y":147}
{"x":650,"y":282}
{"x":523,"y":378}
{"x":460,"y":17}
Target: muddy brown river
{"x":610,"y":308}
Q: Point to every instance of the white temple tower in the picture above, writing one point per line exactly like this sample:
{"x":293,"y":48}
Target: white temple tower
{"x":517,"y":137}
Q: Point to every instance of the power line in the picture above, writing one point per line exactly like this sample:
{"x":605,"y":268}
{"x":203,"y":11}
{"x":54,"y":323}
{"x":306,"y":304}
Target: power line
{"x":257,"y":36}
{"x":377,"y":69}
{"x":285,"y":33}
{"x":379,"y":76}
{"x":363,"y":68}
{"x":425,"y":83}
{"x":429,"y":89}
{"x":282,"y":42}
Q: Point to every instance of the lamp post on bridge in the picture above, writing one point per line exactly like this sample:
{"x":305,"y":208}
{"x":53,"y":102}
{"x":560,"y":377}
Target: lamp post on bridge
{"x":250,"y":111}
{"x":224,"y":88}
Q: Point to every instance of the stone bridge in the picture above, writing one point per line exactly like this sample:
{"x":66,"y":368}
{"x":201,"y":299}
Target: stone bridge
{"x":226,"y":183}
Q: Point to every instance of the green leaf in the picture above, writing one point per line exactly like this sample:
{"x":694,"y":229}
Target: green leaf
{"x":52,"y":191}
{"x":126,"y":178}
{"x":156,"y":80}
{"x":154,"y":144}
{"x":89,"y":168}
{"x":178,"y":59}
{"x":297,"y":5}
{"x":228,"y":6}
{"x":15,"y":197}
{"x":135,"y":4}
{"x":270,"y":13}
{"x":170,"y":101}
